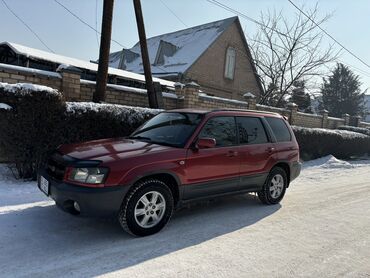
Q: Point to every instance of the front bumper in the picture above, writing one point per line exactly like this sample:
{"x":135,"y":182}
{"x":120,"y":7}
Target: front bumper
{"x":97,"y":202}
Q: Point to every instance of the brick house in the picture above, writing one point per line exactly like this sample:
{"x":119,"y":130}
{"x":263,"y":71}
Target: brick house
{"x":214,"y":55}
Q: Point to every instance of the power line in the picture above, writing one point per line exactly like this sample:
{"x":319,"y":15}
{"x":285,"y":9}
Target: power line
{"x":228,"y":8}
{"x":84,"y":22}
{"x":330,"y":36}
{"x":96,"y":22}
{"x":168,"y":8}
{"x":225,"y":7}
{"x":28,"y":27}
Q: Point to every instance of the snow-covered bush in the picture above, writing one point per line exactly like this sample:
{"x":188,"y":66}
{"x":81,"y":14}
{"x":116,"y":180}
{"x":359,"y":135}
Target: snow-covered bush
{"x":356,"y":129}
{"x":39,"y":121}
{"x":319,"y":142}
{"x":26,"y":130}
{"x":88,"y":121}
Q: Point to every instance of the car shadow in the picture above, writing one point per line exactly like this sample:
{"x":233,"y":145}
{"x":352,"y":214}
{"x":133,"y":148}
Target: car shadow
{"x":41,"y":240}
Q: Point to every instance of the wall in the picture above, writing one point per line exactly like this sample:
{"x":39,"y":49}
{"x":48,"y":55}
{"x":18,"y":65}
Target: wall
{"x":185,"y":96}
{"x":75,"y":89}
{"x":14,"y":74}
{"x":209,"y":69}
{"x":193,"y":97}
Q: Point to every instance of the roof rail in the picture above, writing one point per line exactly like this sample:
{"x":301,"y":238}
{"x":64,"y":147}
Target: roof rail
{"x":244,"y":110}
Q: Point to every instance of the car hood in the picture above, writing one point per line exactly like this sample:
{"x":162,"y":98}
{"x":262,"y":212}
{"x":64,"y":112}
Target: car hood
{"x":107,"y":150}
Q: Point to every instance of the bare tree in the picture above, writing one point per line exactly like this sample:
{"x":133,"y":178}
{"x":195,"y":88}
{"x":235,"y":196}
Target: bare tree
{"x":287,"y":51}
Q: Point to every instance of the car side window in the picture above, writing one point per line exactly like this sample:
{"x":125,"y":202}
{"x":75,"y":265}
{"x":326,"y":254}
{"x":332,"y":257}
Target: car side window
{"x":223,"y":129}
{"x":280,"y":129}
{"x":251,"y":131}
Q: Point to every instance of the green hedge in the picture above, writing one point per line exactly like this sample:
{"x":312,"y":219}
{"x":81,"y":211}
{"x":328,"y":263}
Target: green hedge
{"x":40,"y":121}
{"x":27,"y":130}
{"x":318,"y":142}
{"x":362,"y":130}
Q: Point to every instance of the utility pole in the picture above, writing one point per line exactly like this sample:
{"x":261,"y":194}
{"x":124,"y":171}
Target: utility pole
{"x":106,"y":32}
{"x":145,"y":56}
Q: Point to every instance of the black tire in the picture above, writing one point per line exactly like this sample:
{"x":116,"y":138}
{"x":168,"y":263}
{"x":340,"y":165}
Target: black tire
{"x":126,"y":216}
{"x":265,"y":195}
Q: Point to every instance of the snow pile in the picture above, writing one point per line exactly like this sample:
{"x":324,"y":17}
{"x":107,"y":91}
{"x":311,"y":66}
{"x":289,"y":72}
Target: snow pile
{"x":328,"y":162}
{"x":249,"y":95}
{"x":26,"y":88}
{"x":5,"y":106}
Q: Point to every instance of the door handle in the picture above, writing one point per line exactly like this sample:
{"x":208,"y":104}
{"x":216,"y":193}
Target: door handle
{"x":231,"y":153}
{"x":270,"y":149}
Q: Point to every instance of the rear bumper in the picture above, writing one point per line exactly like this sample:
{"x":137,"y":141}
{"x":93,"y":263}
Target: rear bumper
{"x":295,"y":170}
{"x":96,"y":202}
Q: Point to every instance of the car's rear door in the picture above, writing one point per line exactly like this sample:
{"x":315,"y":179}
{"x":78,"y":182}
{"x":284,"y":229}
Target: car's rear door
{"x":214,"y":170}
{"x":286,"y":146}
{"x":256,"y":152}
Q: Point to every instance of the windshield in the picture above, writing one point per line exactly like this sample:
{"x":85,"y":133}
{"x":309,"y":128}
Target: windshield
{"x":168,"y":128}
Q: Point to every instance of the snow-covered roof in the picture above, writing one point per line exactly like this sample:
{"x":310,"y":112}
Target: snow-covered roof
{"x":59,"y":59}
{"x":173,"y":52}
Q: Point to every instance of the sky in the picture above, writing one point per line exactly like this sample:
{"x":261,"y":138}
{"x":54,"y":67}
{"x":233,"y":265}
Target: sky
{"x":65,"y":35}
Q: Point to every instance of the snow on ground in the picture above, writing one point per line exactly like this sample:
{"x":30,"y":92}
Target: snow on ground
{"x":320,"y":229}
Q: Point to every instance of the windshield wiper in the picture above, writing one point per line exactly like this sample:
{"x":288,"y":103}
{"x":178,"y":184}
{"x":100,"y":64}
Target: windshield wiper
{"x":140,"y":138}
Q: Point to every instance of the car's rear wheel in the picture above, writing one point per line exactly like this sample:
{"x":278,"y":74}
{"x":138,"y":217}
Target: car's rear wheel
{"x":147,"y":208}
{"x":274,"y":188}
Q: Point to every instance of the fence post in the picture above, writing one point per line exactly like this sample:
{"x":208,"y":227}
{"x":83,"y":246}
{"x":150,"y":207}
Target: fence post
{"x":71,"y":86}
{"x":251,"y":99}
{"x":179,"y":91}
{"x":159,"y":96}
{"x":293,"y":112}
{"x":325,"y":122}
{"x":357,"y":121}
{"x":346,"y":119}
{"x":191,"y":91}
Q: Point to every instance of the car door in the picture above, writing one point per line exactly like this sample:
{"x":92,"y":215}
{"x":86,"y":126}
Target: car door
{"x":215,"y":170}
{"x":256,"y":152}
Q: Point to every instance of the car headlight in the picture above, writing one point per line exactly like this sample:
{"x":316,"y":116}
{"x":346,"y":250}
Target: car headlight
{"x":88,"y":175}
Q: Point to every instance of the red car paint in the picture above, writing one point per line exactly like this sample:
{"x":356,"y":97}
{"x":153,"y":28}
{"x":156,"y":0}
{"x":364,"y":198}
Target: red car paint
{"x":128,"y":160}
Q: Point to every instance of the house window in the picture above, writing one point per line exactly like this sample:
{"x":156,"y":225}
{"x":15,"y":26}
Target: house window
{"x":230,"y":63}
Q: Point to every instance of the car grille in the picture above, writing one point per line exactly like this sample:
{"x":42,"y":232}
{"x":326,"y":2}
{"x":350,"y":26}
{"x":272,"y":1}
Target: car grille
{"x":56,"y":167}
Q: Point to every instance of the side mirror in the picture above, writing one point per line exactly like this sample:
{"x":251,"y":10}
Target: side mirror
{"x":206,"y":143}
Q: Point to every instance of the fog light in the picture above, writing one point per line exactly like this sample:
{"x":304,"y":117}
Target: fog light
{"x":76,"y":206}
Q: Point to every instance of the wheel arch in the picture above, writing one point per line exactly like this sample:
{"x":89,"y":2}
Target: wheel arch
{"x":170,"y":179}
{"x":285,"y":166}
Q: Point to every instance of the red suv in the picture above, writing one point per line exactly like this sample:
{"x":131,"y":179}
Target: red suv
{"x":176,"y":157}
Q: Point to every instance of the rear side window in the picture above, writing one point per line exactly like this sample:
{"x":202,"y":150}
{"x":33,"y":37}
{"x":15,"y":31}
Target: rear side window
{"x":222,"y":129}
{"x":251,"y":131}
{"x":280,"y":129}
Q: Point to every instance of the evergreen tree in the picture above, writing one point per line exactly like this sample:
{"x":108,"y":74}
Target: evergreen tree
{"x":341,"y":93}
{"x":300,"y":97}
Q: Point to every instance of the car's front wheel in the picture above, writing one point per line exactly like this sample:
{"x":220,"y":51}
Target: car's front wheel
{"x":274,"y":188}
{"x":147,"y":208}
